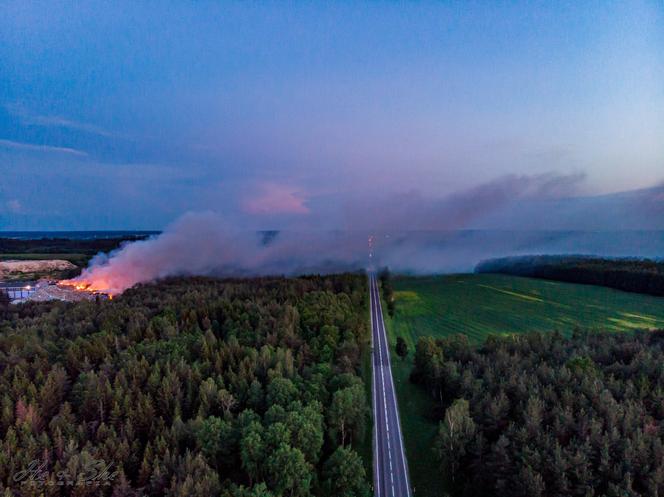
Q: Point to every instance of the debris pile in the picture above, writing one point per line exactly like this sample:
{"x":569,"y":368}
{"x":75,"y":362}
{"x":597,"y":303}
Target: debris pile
{"x":11,"y":267}
{"x":46,"y":290}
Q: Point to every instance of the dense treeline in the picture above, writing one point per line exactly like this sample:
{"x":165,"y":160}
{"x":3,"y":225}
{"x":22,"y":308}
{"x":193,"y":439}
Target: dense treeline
{"x":539,"y":415}
{"x":88,"y":246}
{"x":631,"y":275}
{"x":190,"y":387}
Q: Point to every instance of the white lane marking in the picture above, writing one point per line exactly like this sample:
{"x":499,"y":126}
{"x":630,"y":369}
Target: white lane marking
{"x":375,"y":393}
{"x":383,"y":339}
{"x":385,"y":411}
{"x":381,"y":323}
{"x":374,"y":334}
{"x":382,"y":347}
{"x":387,"y":426}
{"x":380,"y":368}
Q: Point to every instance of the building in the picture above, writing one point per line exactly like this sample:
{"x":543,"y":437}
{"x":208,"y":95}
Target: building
{"x":18,"y":289}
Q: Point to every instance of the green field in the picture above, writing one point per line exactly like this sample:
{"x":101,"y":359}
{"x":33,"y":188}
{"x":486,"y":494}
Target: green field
{"x":478,"y":305}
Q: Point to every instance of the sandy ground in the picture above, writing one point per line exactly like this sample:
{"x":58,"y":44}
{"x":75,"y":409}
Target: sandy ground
{"x":39,"y":266}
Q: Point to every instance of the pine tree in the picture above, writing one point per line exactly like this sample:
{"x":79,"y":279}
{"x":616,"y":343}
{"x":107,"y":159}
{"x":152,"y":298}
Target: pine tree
{"x":343,"y":474}
{"x":402,"y":348}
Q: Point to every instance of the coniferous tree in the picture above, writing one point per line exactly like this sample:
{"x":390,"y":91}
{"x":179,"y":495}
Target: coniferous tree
{"x":402,"y":348}
{"x":191,"y":386}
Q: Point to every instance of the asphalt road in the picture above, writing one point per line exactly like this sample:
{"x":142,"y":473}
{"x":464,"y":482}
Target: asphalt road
{"x":390,"y":465}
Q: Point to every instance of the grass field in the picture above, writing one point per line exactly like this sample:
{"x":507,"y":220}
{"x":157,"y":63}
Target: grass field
{"x":478,"y":305}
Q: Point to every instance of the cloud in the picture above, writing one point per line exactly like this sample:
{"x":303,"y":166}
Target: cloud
{"x":28,"y":118}
{"x":32,"y":147}
{"x":274,"y":198}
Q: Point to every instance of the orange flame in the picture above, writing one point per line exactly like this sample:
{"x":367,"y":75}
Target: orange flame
{"x":87,"y":286}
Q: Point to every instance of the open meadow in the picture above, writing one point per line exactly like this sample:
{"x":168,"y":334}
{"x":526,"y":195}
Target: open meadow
{"x":480,"y":305}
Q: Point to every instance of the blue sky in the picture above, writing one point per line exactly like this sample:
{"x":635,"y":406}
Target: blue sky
{"x":122,"y":115}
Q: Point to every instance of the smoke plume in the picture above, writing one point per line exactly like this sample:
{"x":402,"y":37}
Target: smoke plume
{"x":415,"y":211}
{"x":412,"y":233}
{"x":206,"y":244}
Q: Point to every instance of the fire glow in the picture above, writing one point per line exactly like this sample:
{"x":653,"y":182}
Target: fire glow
{"x":87,"y":287}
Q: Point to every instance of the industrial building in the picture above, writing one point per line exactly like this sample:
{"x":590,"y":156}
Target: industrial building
{"x":18,"y":289}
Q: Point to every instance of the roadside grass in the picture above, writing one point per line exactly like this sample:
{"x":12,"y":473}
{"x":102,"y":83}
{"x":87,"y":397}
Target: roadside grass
{"x":480,"y":305}
{"x":417,"y":426}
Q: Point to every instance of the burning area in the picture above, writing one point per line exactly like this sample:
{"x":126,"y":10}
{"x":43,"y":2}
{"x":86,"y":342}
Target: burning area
{"x":46,"y":290}
{"x":202,"y":244}
{"x":81,"y":290}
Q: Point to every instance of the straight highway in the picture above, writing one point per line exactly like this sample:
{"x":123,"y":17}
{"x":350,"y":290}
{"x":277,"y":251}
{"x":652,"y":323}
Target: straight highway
{"x":390,"y":465}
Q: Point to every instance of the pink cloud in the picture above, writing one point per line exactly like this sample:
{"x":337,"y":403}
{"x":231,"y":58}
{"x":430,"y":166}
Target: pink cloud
{"x":273,"y":198}
{"x":14,"y":206}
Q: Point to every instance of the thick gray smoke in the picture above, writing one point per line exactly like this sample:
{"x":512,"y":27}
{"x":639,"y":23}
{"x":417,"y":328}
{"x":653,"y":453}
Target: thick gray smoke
{"x":412,"y":234}
{"x":414,"y":211}
{"x":205,"y":244}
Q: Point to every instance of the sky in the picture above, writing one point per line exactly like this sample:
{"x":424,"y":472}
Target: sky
{"x":320,"y":115}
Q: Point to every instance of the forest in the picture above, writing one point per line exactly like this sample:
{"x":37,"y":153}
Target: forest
{"x":86,"y":246}
{"x":631,"y":275}
{"x":540,"y":415}
{"x":188,"y":387}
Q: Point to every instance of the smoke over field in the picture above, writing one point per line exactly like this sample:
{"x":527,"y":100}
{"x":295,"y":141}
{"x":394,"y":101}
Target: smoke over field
{"x":412,"y":233}
{"x":203,"y":244}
